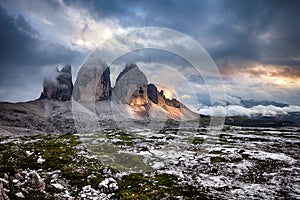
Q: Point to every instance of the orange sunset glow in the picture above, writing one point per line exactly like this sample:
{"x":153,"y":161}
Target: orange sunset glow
{"x":280,"y":76}
{"x":168,"y":92}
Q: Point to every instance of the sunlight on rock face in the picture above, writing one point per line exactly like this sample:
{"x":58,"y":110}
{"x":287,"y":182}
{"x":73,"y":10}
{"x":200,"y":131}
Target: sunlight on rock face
{"x":169,"y":94}
{"x":139,"y":97}
{"x":137,"y":101}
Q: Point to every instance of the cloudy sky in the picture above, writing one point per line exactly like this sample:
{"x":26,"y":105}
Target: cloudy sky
{"x":255,"y":44}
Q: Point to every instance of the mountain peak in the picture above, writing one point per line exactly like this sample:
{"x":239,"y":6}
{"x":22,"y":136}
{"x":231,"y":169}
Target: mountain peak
{"x":59,"y":87}
{"x":131,"y":91}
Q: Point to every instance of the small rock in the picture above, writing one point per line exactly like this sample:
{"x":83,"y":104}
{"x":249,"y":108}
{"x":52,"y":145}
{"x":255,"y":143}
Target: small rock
{"x":54,"y":176}
{"x":58,"y":186}
{"x":113,"y":186}
{"x":86,"y":188}
{"x":36,"y":182}
{"x":108,"y":185}
{"x":5,"y":176}
{"x":19,"y":177}
{"x":103,"y":196}
{"x":83,"y":195}
{"x":24,"y":190}
{"x":3,"y":195}
{"x":20,"y":195}
{"x":91,"y":176}
{"x":5,"y":182}
{"x":15,"y":181}
{"x":96,"y":193}
{"x":19,"y":184}
{"x":89,"y":194}
{"x":54,"y":172}
{"x":68,"y":195}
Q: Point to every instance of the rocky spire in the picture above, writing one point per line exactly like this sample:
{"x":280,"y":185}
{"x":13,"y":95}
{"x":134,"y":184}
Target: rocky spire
{"x":152,"y":93}
{"x":131,"y":86}
{"x":159,"y":98}
{"x":92,"y":83}
{"x":59,"y":87}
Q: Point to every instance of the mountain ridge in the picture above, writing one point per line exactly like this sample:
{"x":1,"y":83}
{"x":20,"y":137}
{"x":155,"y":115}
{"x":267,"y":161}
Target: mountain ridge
{"x":138,"y":100}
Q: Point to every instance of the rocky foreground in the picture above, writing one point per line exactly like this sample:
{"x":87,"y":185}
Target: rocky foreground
{"x":185,"y":163}
{"x":60,"y":167}
{"x":94,"y":147}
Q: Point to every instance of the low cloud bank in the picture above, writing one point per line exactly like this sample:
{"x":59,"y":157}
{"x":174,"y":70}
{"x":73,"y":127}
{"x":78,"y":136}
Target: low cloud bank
{"x":238,"y":110}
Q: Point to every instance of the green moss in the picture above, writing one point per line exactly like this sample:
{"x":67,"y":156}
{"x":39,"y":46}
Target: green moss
{"x":217,"y":159}
{"x":202,"y":130}
{"x":125,"y":138}
{"x":131,"y":186}
{"x":226,"y":128}
{"x":129,"y":162}
{"x":222,"y":138}
{"x":216,"y":152}
{"x":165,"y":180}
{"x":197,"y":140}
{"x":160,"y":186}
{"x":59,"y":153}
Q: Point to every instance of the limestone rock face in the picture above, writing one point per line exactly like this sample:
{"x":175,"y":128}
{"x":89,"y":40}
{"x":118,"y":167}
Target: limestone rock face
{"x":174,"y":103}
{"x":159,"y":98}
{"x":59,"y":87}
{"x":103,"y":90}
{"x":131,"y":86}
{"x":152,"y":93}
{"x":92,"y":83}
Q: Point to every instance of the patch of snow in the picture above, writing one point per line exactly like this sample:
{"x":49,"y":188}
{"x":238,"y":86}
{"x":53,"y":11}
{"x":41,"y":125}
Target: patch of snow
{"x":262,"y":155}
{"x":157,"y":165}
{"x":40,"y":160}
{"x":29,"y":153}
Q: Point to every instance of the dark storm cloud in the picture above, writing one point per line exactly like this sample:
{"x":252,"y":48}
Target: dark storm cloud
{"x":23,"y":54}
{"x":240,"y":33}
{"x":19,"y":44}
{"x":261,"y":31}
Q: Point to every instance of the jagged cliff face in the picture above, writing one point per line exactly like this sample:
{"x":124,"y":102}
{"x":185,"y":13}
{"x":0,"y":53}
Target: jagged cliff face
{"x":152,"y":93}
{"x":59,"y":87}
{"x":144,"y":100}
{"x":103,"y":91}
{"x":131,"y":94}
{"x":131,"y":86}
{"x":92,"y":83}
{"x":159,"y":98}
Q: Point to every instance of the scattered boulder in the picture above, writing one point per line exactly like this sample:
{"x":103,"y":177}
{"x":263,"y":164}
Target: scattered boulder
{"x":108,"y":185}
{"x":20,"y":195}
{"x":36,"y":182}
